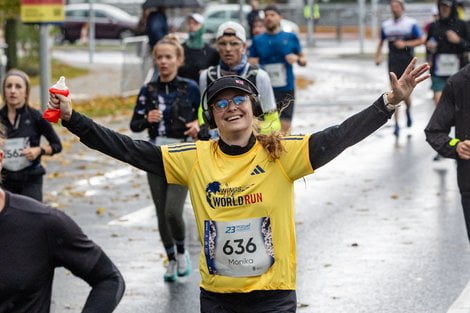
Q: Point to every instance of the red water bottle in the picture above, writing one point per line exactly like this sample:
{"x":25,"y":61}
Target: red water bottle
{"x":53,"y":115}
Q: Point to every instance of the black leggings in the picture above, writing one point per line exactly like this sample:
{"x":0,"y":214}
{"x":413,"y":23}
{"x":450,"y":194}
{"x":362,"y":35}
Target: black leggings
{"x":31,"y":188}
{"x":258,"y":301}
{"x":463,"y":179}
{"x":169,"y":203}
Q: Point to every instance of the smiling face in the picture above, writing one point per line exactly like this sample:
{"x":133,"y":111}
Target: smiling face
{"x":233,"y":120}
{"x":15,"y":92}
{"x":167,"y":60}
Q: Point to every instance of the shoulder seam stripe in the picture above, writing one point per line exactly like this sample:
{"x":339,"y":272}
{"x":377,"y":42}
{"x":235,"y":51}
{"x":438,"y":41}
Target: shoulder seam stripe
{"x":181,"y":149}
{"x":175,"y":145}
{"x":293,"y":138}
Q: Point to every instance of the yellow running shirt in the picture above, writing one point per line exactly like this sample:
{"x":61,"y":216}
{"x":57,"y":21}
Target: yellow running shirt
{"x":243,"y":206}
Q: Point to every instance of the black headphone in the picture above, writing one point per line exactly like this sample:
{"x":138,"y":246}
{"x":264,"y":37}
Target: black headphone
{"x":207,"y":114}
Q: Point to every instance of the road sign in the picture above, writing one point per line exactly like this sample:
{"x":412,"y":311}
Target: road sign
{"x":42,"y":11}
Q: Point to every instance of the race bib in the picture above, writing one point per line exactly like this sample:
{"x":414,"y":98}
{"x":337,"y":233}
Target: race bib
{"x":447,"y":64}
{"x":14,"y":161}
{"x":277,"y":73}
{"x":241,"y":248}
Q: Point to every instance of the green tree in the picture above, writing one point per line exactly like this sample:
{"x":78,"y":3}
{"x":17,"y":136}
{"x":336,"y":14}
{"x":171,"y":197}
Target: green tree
{"x":9,"y":16}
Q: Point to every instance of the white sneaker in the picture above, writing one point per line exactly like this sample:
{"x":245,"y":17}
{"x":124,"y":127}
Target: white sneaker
{"x":183,"y":263}
{"x":170,"y":275}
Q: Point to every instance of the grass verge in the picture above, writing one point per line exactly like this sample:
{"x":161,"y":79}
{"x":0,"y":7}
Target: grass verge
{"x":57,"y":69}
{"x":105,"y":106}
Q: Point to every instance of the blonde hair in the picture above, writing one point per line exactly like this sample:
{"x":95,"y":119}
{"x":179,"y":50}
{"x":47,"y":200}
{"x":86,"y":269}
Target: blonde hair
{"x":170,"y":39}
{"x":272,"y":142}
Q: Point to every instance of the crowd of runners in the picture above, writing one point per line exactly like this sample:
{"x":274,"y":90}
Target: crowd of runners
{"x":216,"y":116}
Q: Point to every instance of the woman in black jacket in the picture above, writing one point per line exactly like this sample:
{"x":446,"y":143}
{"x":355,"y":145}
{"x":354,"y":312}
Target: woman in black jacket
{"x":166,"y":108}
{"x":22,"y":171}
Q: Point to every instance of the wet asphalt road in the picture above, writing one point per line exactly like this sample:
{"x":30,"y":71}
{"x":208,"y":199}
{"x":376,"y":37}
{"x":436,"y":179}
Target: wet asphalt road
{"x":379,"y":229}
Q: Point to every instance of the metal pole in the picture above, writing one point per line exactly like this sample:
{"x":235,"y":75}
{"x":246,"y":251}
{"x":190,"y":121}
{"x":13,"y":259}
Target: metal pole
{"x":310,"y":25}
{"x":44,"y":64}
{"x":3,"y":62}
{"x":241,"y":17}
{"x":374,"y":20}
{"x":338,"y":11}
{"x":91,"y":32}
{"x":361,"y":4}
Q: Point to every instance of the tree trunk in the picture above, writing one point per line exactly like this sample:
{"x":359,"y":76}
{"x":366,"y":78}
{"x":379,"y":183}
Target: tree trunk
{"x":11,"y":27}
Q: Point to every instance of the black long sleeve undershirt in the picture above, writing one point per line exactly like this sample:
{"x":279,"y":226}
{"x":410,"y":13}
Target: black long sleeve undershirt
{"x":324,"y":145}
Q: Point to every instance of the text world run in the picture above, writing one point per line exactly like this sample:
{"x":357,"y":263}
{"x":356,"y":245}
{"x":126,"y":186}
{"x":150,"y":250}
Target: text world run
{"x":237,"y":201}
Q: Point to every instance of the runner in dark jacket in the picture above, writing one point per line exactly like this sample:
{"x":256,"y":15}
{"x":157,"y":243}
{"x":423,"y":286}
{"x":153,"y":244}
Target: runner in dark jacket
{"x":34,"y":241}
{"x":454,"y":110}
{"x":22,"y":170}
{"x":198,"y":55}
{"x":448,"y":38}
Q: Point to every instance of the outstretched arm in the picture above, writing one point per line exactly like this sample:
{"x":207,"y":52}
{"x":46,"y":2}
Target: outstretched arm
{"x":327,"y":144}
{"x":139,"y":153}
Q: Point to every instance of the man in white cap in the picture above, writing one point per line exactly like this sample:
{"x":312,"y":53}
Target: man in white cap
{"x":231,"y":45}
{"x":198,"y":54}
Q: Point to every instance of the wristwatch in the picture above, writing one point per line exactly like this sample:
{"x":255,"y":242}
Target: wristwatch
{"x":388,"y":105}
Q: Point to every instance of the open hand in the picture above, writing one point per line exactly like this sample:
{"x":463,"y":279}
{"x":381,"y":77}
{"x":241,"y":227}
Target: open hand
{"x":402,"y":88}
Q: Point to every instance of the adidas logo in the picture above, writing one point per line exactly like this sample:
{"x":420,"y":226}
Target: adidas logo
{"x":258,"y":170}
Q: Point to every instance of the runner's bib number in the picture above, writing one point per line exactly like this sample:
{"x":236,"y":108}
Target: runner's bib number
{"x":447,"y":64}
{"x":238,"y":248}
{"x":14,"y":159}
{"x":277,"y":73}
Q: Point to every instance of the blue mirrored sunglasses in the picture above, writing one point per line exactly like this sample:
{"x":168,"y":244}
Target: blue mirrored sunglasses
{"x":222,"y":104}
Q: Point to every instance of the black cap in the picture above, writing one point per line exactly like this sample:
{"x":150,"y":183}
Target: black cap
{"x":228,"y":82}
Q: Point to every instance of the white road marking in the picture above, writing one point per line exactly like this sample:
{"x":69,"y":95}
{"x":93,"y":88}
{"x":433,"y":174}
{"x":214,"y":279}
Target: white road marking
{"x":114,"y":175}
{"x":142,"y":217}
{"x":462,"y":304}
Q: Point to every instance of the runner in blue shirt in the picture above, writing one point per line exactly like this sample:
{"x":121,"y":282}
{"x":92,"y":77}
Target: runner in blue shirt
{"x":276,"y":51}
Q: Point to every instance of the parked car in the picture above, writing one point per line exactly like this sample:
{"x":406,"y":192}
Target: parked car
{"x":110,"y":22}
{"x":216,"y":14}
